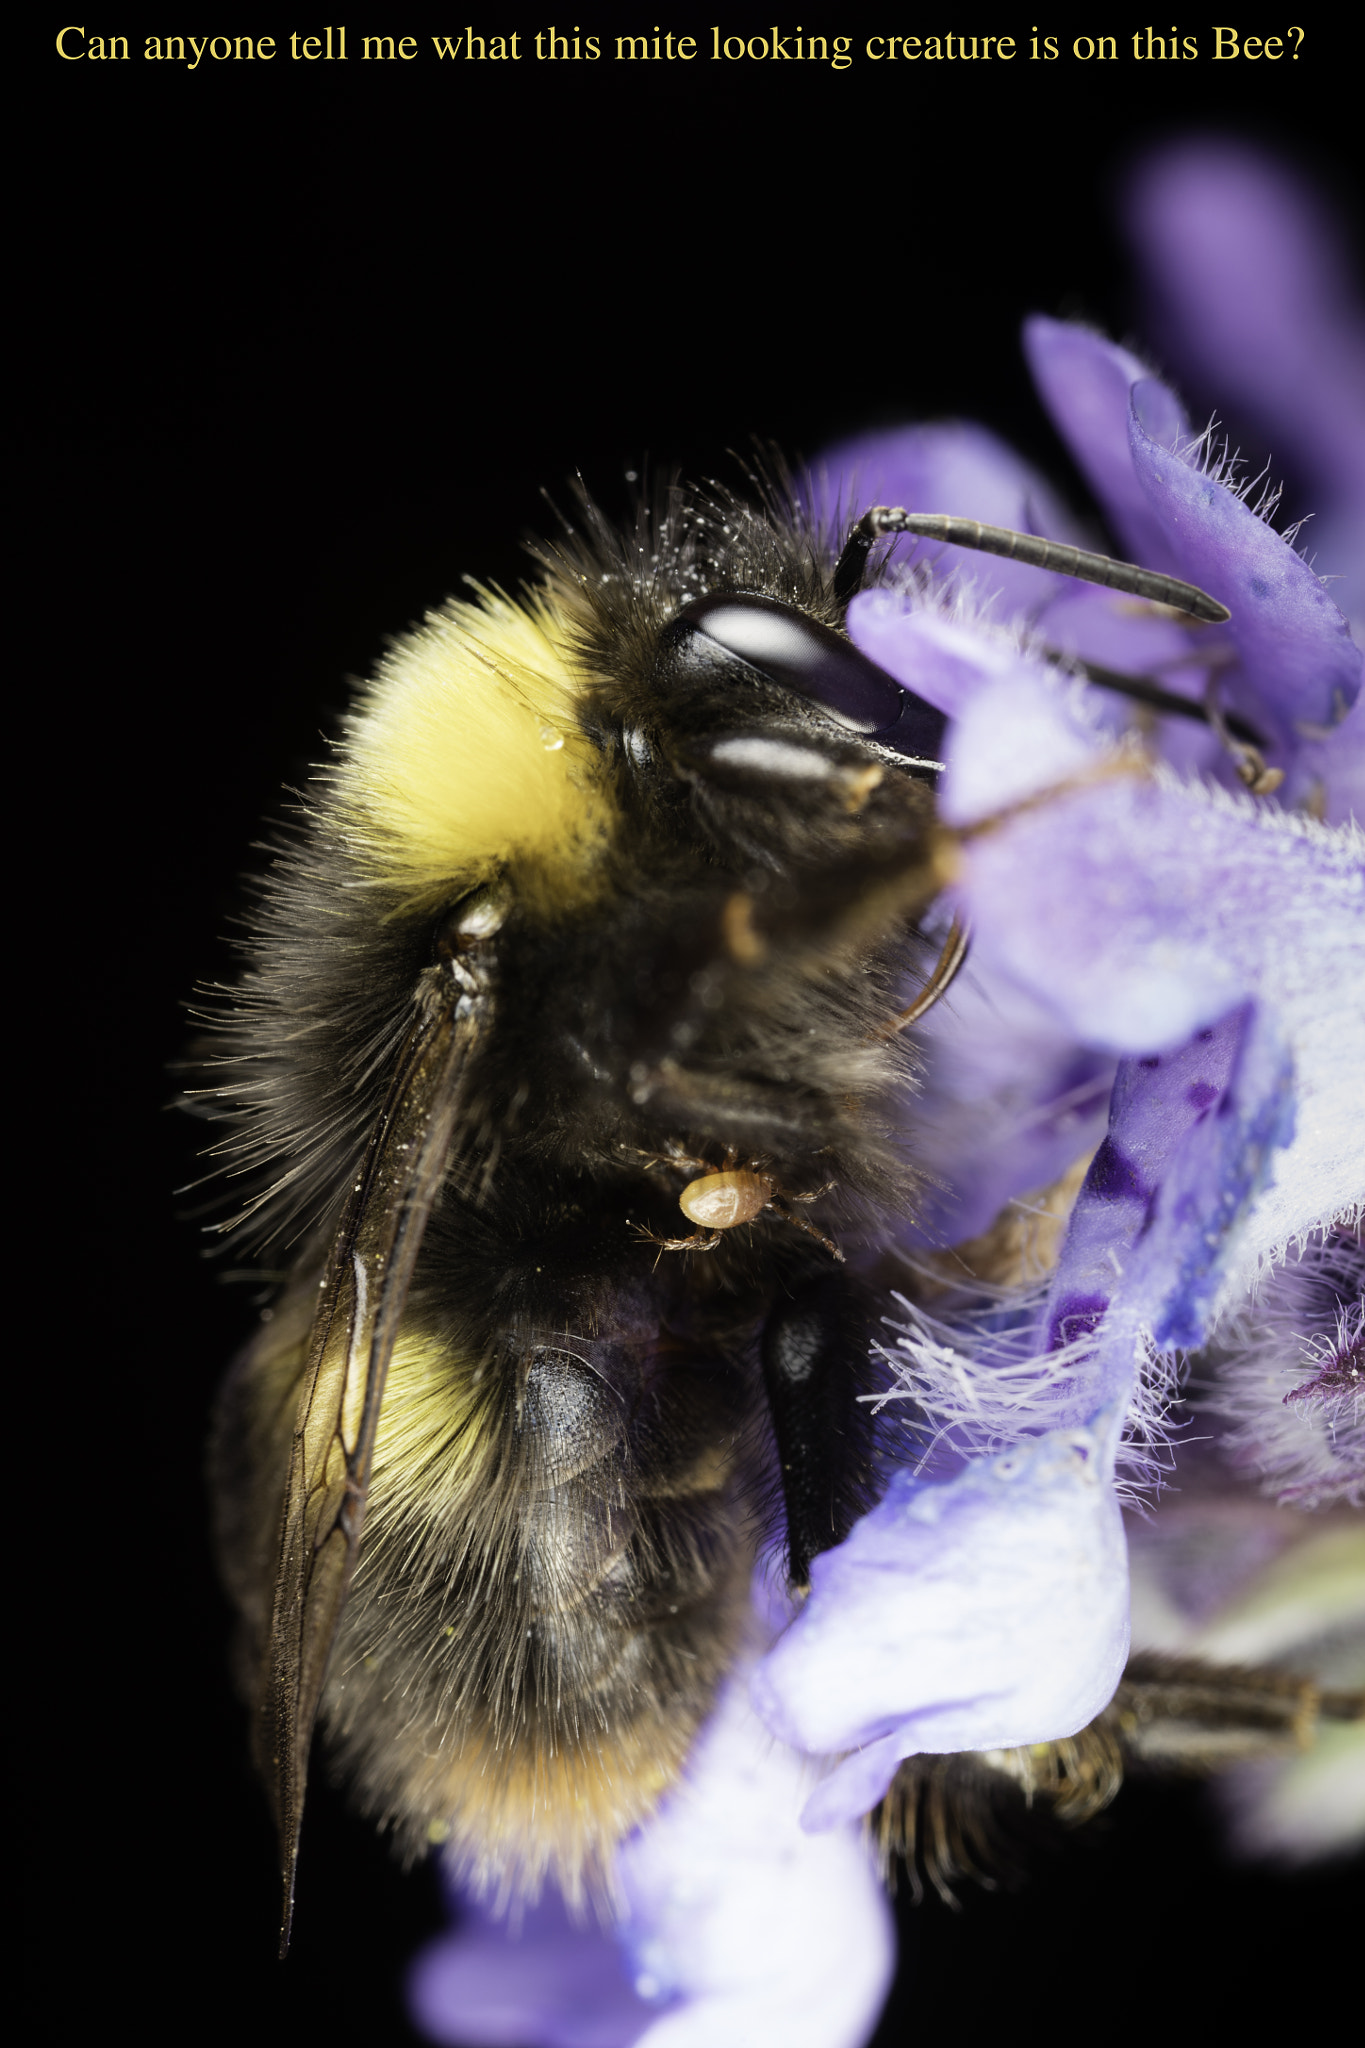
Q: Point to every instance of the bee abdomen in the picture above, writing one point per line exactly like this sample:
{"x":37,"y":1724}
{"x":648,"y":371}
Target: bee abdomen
{"x":593,"y":1576}
{"x":639,"y":1547}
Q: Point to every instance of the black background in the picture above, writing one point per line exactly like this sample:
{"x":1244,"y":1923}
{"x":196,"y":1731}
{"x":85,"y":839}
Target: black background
{"x":317,"y":336}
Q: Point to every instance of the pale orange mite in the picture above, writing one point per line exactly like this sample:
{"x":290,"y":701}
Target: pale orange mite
{"x":718,"y":1201}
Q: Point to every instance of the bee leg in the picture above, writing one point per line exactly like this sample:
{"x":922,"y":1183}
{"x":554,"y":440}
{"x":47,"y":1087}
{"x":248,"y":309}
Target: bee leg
{"x":815,"y":1353}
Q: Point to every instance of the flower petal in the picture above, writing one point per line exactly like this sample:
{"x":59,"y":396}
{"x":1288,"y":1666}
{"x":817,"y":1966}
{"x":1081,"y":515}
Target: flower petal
{"x":1141,"y":912}
{"x":1008,"y":1101}
{"x":1037,"y":732}
{"x":1191,"y":1135}
{"x":1106,"y":628}
{"x":984,"y":1613}
{"x":1289,"y":1374}
{"x":1297,"y":664}
{"x":550,"y":1984}
{"x":760,"y":1933}
{"x":1084,"y":381}
{"x":937,"y":658}
{"x":1332,"y":766}
{"x":1294,"y":669}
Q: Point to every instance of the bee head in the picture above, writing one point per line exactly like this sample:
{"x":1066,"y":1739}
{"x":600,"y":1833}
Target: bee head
{"x":779,"y":737}
{"x":733,"y":643}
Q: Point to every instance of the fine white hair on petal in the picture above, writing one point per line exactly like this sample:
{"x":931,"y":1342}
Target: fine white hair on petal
{"x":1222,"y":464}
{"x":981,"y":1382}
{"x":1290,"y":1376}
{"x":958,"y":598}
{"x":1350,"y":1217}
{"x":1342,"y":844}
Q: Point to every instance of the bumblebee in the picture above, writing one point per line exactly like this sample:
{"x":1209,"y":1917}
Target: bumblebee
{"x":566,"y":1063}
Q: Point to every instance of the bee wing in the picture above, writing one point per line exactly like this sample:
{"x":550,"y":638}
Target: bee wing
{"x":360,"y":1304}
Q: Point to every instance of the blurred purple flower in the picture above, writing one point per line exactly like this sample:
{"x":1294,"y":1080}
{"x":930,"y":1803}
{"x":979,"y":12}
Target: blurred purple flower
{"x":1290,"y":1376}
{"x":1166,"y":973}
{"x":547,"y":1980}
{"x":1221,"y":1574}
{"x":1248,"y":290}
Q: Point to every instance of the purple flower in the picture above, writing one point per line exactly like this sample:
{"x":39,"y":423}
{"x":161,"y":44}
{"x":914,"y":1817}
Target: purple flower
{"x":1286,"y":658}
{"x":1218,"y":950}
{"x":547,"y":1980}
{"x":986,"y":1613}
{"x":1206,"y":953}
{"x":1166,"y":1000}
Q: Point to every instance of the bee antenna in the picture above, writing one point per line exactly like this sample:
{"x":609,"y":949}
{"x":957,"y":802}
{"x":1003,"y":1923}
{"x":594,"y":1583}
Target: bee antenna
{"x":881,"y":520}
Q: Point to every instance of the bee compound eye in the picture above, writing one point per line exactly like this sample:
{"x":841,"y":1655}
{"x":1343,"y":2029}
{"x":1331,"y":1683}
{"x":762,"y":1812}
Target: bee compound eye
{"x":798,"y":653}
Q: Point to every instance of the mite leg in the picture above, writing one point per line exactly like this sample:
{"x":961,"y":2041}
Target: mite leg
{"x":815,"y":1365}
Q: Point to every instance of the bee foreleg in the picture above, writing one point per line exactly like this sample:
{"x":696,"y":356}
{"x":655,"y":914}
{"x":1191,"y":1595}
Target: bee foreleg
{"x":815,"y":1365}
